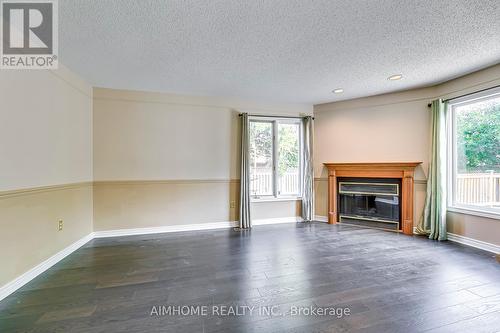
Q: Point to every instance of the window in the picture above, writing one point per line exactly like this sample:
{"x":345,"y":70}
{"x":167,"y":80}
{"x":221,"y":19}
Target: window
{"x":275,"y":157}
{"x":474,"y":148}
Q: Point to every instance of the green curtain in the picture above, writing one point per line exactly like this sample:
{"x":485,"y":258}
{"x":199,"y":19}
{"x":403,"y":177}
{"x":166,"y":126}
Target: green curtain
{"x":433,"y":221}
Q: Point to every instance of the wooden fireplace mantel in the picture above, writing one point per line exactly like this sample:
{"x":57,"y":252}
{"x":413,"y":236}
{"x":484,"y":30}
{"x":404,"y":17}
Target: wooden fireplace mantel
{"x":402,"y":170}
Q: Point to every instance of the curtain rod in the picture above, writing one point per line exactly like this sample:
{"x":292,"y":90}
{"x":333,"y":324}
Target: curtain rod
{"x":269,"y":116}
{"x":472,"y":93}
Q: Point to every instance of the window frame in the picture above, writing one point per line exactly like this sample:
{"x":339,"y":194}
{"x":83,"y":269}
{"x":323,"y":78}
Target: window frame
{"x":452,"y":149}
{"x":276,"y":196}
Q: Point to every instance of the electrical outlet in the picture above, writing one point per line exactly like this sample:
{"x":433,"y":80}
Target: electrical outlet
{"x":232,"y":204}
{"x":61,"y":224}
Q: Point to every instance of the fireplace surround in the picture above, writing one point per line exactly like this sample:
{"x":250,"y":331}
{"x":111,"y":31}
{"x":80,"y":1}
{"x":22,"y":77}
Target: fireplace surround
{"x":372,"y":194}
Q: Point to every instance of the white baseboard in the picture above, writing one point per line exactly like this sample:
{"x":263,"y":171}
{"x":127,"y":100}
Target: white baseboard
{"x":277,"y":220}
{"x":190,"y":227}
{"x":20,"y":281}
{"x":474,"y":243}
{"x":164,"y":229}
{"x":470,"y":242}
{"x":320,"y":218}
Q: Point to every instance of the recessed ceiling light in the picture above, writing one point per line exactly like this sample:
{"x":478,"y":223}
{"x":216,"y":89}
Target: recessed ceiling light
{"x":338,"y":91}
{"x":395,"y":77}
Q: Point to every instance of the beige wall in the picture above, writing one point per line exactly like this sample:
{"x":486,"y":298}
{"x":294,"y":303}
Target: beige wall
{"x":394,"y":127}
{"x":163,"y":159}
{"x":142,"y":204}
{"x":276,"y":209}
{"x":29,"y":225}
{"x":45,"y":140}
{"x":158,"y":140}
{"x":45,"y":128}
{"x":475,"y":227}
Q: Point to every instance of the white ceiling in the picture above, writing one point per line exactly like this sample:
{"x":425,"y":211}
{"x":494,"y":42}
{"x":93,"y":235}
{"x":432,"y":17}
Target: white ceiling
{"x":293,"y":51}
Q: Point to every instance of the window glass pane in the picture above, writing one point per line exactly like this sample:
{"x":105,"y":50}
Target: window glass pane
{"x":261,"y":158}
{"x":477,"y":128}
{"x":288,"y":159}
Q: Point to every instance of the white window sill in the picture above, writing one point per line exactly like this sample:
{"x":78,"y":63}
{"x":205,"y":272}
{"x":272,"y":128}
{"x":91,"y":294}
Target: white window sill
{"x":274,"y":199}
{"x":474,"y":212}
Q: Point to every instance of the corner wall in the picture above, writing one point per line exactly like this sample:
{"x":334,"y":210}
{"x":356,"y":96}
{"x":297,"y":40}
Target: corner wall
{"x":391,"y":128}
{"x":46,"y":166}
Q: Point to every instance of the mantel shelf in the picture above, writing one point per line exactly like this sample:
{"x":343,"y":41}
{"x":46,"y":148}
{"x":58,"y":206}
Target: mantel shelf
{"x":391,"y":165}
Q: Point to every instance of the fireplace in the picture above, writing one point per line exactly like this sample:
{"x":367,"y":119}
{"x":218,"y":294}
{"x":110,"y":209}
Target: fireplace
{"x":371,"y":202}
{"x":372,"y":194}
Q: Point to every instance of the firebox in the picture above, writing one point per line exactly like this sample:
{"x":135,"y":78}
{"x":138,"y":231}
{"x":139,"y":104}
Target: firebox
{"x":371,"y":202}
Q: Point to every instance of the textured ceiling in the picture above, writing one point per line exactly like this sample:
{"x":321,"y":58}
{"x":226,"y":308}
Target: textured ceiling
{"x":294,"y":51}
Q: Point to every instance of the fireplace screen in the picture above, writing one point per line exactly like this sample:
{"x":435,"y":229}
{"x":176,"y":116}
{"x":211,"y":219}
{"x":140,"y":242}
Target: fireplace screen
{"x":370,"y":203}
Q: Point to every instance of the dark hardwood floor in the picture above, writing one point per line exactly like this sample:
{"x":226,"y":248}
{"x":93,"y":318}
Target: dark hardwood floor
{"x":389,"y":282}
